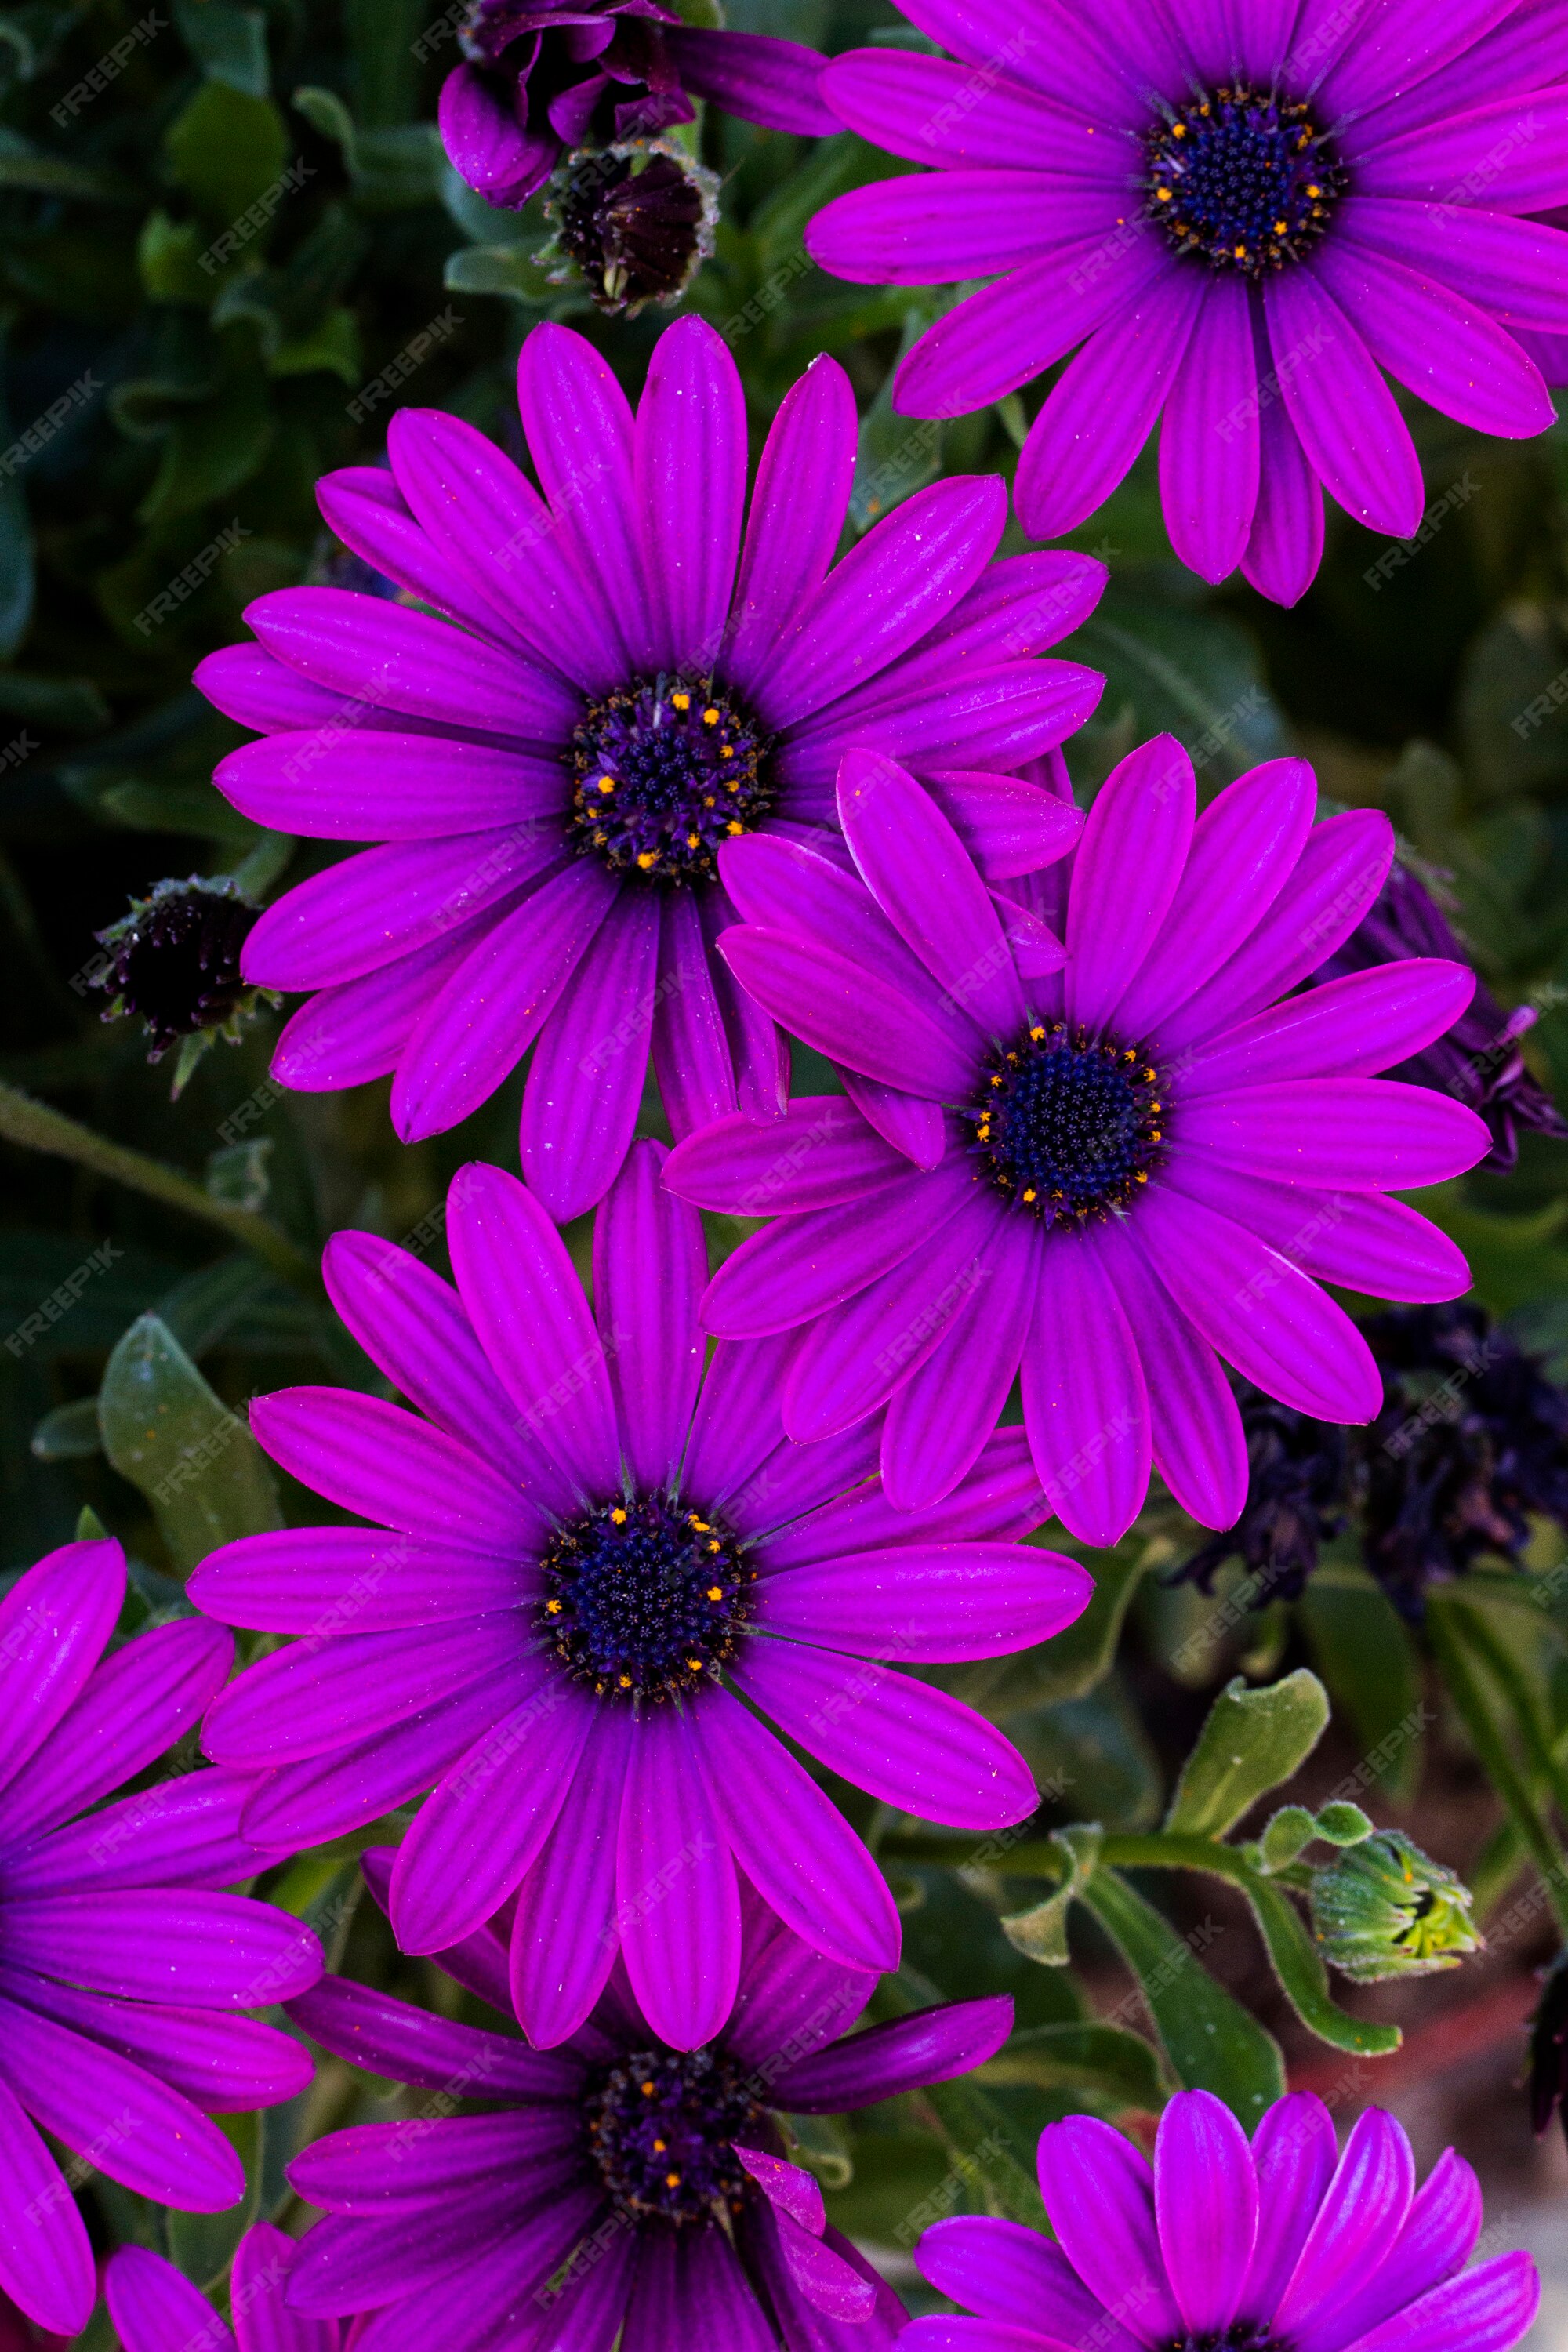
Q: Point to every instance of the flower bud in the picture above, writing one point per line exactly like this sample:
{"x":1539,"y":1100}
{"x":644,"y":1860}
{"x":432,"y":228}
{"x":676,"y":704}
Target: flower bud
{"x":1383,"y":1908}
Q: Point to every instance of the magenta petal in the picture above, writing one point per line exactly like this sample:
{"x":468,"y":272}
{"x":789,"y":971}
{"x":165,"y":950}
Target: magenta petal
{"x":1352,"y":1027}
{"x":1105,"y":404}
{"x":585,"y":1081}
{"x":691,"y":1055}
{"x":234,"y":1954}
{"x":1003,"y":336}
{"x":901,"y":1741}
{"x":252,"y":687}
{"x":950,"y":1602}
{"x":1206,"y":2198}
{"x":1362,"y":2208}
{"x":45,"y":2260}
{"x":371,"y":784}
{"x":223,"y":2065}
{"x":1198,"y":1444}
{"x":362,"y":505}
{"x":1086,"y":1404}
{"x":678,"y":1909}
{"x":901,"y":578}
{"x":1244,"y":847}
{"x":940,"y":1418}
{"x":1099,"y":2194}
{"x":912,"y":1124}
{"x":917,"y":871}
{"x":819,"y":1155}
{"x":1365,"y":1134}
{"x":1286,"y":542}
{"x":1515,"y":270}
{"x":902,"y":2055}
{"x":154,"y":2305}
{"x":389,"y":1466}
{"x":1209,"y":440}
{"x":1125,"y":873}
{"x":316,"y":1695}
{"x":1294,"y":2156}
{"x":1438,"y":2237}
{"x":580,"y":432}
{"x":761,"y":79}
{"x":798,"y":507}
{"x":472,"y":1841}
{"x":794,"y":1845}
{"x":481,"y":134}
{"x":390,"y":2037}
{"x":800,"y":1266}
{"x":556,"y":1979}
{"x":1260,"y":1312}
{"x":690,"y":470}
{"x":1017,"y":2277}
{"x":1398,"y":45}
{"x":848,"y":1013}
{"x":933,"y":229}
{"x":1350,"y":425}
{"x":54,"y":1624}
{"x":346,"y":1036}
{"x":1489,"y":2309}
{"x":933,"y":110}
{"x":494,"y":1005}
{"x":650,"y":1268}
{"x":1519,"y":146}
{"x":1008,"y":826}
{"x":1438,"y":344}
{"x":526,"y":1303}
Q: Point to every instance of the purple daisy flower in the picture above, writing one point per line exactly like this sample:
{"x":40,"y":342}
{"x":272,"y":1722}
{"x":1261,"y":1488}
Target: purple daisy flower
{"x":538,"y":79}
{"x":1282,"y":2246}
{"x":596,"y":1553}
{"x":155,"y":2308}
{"x":120,"y":1971}
{"x":1235,"y":217}
{"x":620,"y":2180}
{"x":551,"y":779}
{"x":1480,"y":1060}
{"x":1127,"y":1169}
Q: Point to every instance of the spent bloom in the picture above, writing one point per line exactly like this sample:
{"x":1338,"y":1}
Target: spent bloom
{"x":122,"y":1971}
{"x":619,"y":686}
{"x":1239,"y":221}
{"x":619,"y":2180}
{"x":1134,"y":1155}
{"x":1280,"y":2246}
{"x":538,"y":81}
{"x":587,"y":1555}
{"x":155,"y":2308}
{"x":173,"y":963}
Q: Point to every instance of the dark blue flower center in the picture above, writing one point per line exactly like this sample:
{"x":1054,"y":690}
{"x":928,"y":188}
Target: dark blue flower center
{"x":1241,"y":2336}
{"x":643,"y":1599}
{"x":665,"y":772}
{"x":1068,"y":1127}
{"x":662,"y":2126}
{"x":1242,"y":178}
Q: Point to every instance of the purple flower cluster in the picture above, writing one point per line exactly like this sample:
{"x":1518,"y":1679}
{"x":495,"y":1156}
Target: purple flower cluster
{"x":1239,"y":220}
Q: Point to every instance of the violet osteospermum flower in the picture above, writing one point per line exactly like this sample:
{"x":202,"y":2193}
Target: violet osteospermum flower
{"x":621,"y":2180}
{"x":1282,"y":2246}
{"x":1236,"y":218}
{"x":120,"y":1973}
{"x":538,"y":79}
{"x":597,"y":1554}
{"x":155,"y":2308}
{"x":552,"y":778}
{"x":1128,"y":1167}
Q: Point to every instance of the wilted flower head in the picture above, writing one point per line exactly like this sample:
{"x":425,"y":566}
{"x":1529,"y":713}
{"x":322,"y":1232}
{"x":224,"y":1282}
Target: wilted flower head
{"x":634,"y":221}
{"x":1383,"y":1908}
{"x":174,"y":962}
{"x":1295,"y":1498}
{"x":539,"y":79}
{"x":1480,"y":1060}
{"x":1280,"y":2246}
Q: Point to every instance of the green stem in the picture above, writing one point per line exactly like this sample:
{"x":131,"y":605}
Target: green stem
{"x":1546,"y":1766}
{"x":39,"y":1129}
{"x":1446,"y":1628}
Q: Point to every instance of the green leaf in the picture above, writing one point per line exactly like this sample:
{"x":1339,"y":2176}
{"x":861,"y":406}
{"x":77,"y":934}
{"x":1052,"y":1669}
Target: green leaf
{"x":1252,"y":1741}
{"x":390,"y":167}
{"x":1210,"y":2040}
{"x":17,"y":577}
{"x":70,"y":1434}
{"x":1291,"y":1829}
{"x":382,"y":35}
{"x":168,"y":257}
{"x":73,"y":704}
{"x":23,"y":165}
{"x":1042,"y":1934}
{"x":226,"y":150}
{"x":332,"y":348}
{"x":212,"y":448}
{"x":1193,"y":673}
{"x":498,"y":270}
{"x":228,"y":43}
{"x":195,"y":1462}
{"x":1363,"y":1649}
{"x":1342,"y":1824}
{"x":1105,"y":2060}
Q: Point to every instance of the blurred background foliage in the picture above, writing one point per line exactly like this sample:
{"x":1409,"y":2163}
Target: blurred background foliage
{"x":166,"y":414}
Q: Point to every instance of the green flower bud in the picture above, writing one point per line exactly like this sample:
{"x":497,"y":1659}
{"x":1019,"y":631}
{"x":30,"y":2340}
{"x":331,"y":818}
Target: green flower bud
{"x":1385,"y":1909}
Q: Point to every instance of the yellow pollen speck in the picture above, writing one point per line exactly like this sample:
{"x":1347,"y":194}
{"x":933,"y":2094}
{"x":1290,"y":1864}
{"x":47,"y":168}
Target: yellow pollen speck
{"x":1314,"y":191}
{"x":693,"y":1521}
{"x":695,"y":1664}
{"x":715,"y":1545}
{"x":1036,"y":1034}
{"x":1154,"y":1106}
{"x":647,"y":858}
{"x":1029,"y":1193}
{"x":995,"y":1082}
{"x":622,"y":1682}
{"x":646,"y":2089}
{"x":672,"y":2179}
{"x":619,"y":1517}
{"x":606,"y":783}
{"x":1178,"y":130}
{"x":726,"y":751}
{"x":711,"y":716}
{"x":552,"y":1608}
{"x":682,"y":701}
{"x":1154,"y":1136}
{"x":707,"y":799}
{"x":1280,"y":227}
{"x":1150,"y":1075}
{"x":734,"y":826}
{"x":1163,"y":194}
{"x":715,"y":1592}
{"x":659,"y":2145}
{"x":1241,"y":253}
{"x":1140,"y":1176}
{"x":600,"y":839}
